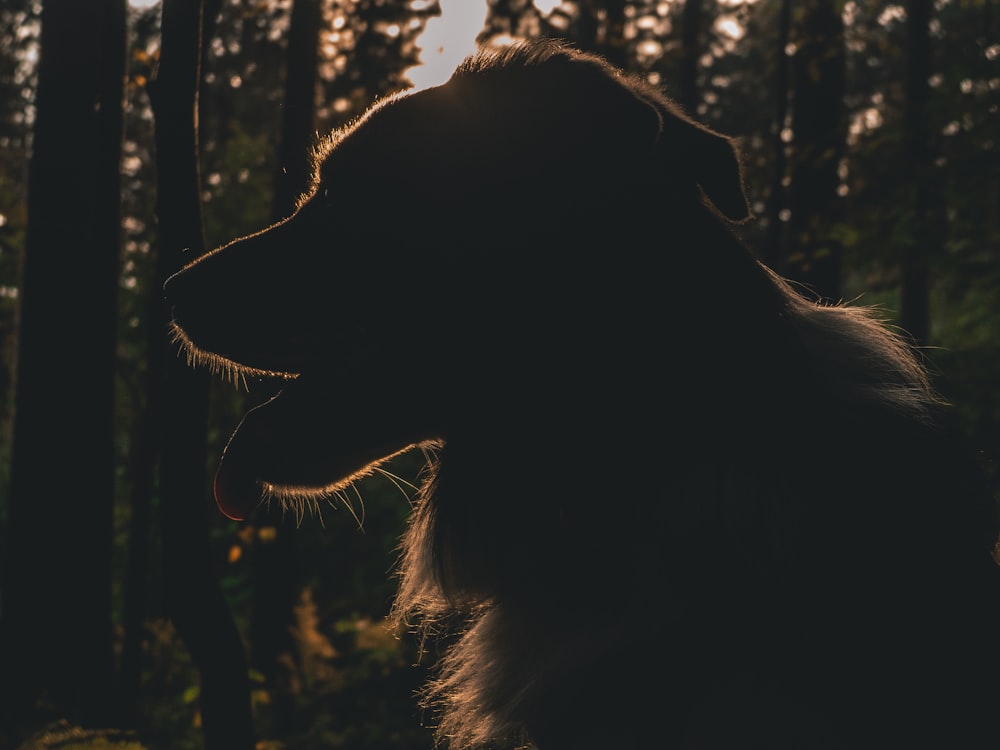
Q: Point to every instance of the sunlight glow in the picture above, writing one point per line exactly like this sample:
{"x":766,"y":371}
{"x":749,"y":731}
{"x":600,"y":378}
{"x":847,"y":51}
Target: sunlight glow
{"x":447,"y":40}
{"x":864,"y":122}
{"x":892,"y":14}
{"x":729,"y":26}
{"x":547,"y":6}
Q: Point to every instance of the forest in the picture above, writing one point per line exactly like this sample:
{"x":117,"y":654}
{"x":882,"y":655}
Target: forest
{"x":135,"y":136}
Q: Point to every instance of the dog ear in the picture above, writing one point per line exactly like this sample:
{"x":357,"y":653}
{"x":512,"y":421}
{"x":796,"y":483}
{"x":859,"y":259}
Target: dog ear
{"x":711,"y":159}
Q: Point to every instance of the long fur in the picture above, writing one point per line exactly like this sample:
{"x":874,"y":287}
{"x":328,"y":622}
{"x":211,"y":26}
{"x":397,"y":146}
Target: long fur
{"x":509,"y":661}
{"x":673,"y":501}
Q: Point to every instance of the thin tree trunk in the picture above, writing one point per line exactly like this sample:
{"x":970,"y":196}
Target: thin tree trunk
{"x":774,"y":252}
{"x":56,"y":627}
{"x":820,"y":130}
{"x":109,"y":242}
{"x":600,"y":28}
{"x":691,"y":50}
{"x":299,"y":113}
{"x":193,"y":598}
{"x":614,"y":46}
{"x":142,"y":467}
{"x":588,"y":26}
{"x":914,"y":292}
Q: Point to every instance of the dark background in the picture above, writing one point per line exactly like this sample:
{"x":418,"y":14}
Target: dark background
{"x":131,"y":612}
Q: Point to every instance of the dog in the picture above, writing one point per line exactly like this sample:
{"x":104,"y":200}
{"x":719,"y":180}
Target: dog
{"x":672,"y":501}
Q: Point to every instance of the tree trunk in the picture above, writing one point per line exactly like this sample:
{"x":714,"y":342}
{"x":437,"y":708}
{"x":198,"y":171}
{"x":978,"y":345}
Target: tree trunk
{"x":193,"y":598}
{"x":691,"y":50}
{"x":274,"y":562}
{"x":142,"y":468}
{"x":820,"y":130}
{"x":613,"y":44}
{"x":56,"y":628}
{"x":922,"y":238}
{"x":600,"y":28}
{"x":774,"y":250}
{"x":299,"y":113}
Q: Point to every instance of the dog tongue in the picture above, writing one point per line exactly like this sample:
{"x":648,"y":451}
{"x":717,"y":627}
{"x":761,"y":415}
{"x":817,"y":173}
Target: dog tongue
{"x":283,"y":443}
{"x":238,"y":483}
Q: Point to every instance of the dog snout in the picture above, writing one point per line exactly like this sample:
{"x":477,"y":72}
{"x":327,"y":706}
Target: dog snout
{"x":170,"y":286}
{"x":178,"y":287}
{"x":189,"y":308}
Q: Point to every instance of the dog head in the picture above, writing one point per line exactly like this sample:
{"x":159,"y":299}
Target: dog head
{"x":527,"y":230}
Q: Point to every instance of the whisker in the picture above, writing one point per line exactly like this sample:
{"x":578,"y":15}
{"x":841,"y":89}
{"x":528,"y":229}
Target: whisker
{"x":399,"y":483}
{"x":361,"y":502}
{"x":218,"y":365}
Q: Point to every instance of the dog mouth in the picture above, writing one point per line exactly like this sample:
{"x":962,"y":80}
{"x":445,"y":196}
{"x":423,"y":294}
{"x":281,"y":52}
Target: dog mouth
{"x":337,"y":419}
{"x":302,"y":447}
{"x":311,"y":443}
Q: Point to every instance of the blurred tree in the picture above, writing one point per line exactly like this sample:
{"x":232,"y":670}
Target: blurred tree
{"x":964,"y":181}
{"x":819,"y":130}
{"x":691,"y":51}
{"x":365,"y":50}
{"x":923,"y":215}
{"x":601,"y":29}
{"x":141,"y":363}
{"x":515,"y":18}
{"x":597,"y":26}
{"x":773,"y":250}
{"x":18,"y":45}
{"x":195,"y":602}
{"x":298,"y":128}
{"x":56,"y":645}
{"x":240,"y":112}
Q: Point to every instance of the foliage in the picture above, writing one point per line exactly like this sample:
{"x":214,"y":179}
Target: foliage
{"x":19,"y":30}
{"x":61,"y":735}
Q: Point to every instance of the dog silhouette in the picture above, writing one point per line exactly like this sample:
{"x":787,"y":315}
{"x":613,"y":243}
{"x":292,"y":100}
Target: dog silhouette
{"x":671,"y":501}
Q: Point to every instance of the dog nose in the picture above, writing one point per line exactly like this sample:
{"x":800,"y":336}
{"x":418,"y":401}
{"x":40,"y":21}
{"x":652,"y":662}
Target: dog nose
{"x":173,"y":287}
